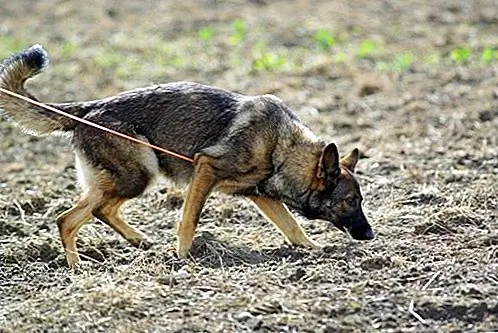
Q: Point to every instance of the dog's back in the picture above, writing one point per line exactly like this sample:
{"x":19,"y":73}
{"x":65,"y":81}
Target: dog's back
{"x":185,"y":117}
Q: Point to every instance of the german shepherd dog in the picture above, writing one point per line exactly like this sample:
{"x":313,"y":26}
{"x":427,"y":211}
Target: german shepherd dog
{"x":253,"y":146}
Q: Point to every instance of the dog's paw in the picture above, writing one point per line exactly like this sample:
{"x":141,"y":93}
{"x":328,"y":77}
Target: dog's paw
{"x":314,"y":246}
{"x":141,"y":243}
{"x":73,"y":260}
{"x":308,"y":244}
{"x":182,"y":251}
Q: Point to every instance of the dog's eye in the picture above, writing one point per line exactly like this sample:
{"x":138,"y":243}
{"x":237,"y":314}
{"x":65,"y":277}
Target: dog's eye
{"x":351,"y":201}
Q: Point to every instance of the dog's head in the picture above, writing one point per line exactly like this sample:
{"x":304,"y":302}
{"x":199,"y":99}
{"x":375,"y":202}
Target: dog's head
{"x":335,"y":194}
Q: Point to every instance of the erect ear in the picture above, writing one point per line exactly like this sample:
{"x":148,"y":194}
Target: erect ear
{"x":350,"y":160}
{"x":328,"y":167}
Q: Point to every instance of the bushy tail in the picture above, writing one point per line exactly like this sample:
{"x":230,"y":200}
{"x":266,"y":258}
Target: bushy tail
{"x":14,"y":71}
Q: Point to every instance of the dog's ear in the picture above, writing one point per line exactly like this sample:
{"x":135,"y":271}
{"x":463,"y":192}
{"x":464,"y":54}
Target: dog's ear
{"x":328,"y":167}
{"x":350,"y":160}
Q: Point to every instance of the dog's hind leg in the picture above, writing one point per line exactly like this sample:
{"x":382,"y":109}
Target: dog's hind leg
{"x":108,"y":212}
{"x":111,"y":170}
{"x":277,"y":213}
{"x":70,"y":222}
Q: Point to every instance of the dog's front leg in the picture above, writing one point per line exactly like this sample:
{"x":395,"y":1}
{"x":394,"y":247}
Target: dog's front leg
{"x":278,"y":214}
{"x":201,"y":185}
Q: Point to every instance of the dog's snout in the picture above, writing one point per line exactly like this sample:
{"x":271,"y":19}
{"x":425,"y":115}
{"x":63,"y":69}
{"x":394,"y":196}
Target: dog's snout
{"x":369,"y":234}
{"x":364,"y":232}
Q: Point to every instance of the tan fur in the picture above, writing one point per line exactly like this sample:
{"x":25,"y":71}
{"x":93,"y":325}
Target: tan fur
{"x":278,"y":214}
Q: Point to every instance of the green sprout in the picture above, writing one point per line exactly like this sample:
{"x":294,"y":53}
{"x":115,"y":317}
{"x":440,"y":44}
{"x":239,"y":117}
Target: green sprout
{"x":402,"y":62}
{"x":265,"y":60}
{"x":206,"y":34}
{"x":488,"y":55}
{"x":269,"y":61}
{"x":340,"y":57}
{"x":366,"y":49}
{"x":324,"y":39}
{"x":239,"y":32}
{"x":68,"y":48}
{"x":461,"y":54}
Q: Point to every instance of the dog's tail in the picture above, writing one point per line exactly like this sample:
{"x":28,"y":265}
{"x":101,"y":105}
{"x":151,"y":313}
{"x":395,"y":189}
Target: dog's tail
{"x":14,"y":71}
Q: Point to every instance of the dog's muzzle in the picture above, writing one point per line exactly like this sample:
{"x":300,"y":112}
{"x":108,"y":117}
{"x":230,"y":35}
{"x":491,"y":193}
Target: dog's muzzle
{"x":363,"y":232}
{"x":358,"y":227}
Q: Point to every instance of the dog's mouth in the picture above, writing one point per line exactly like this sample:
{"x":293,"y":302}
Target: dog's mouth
{"x":359,"y":230}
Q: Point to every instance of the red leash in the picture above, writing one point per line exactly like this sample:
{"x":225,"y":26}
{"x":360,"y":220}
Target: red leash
{"x":103,"y":128}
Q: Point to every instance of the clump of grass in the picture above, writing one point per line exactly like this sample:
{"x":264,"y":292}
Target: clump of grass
{"x":239,"y":32}
{"x":403,"y":62}
{"x":367,"y":48}
{"x":340,"y":57}
{"x":489,"y":54}
{"x":206,"y":34}
{"x":461,"y":54}
{"x":324,"y":39}
{"x":265,"y":60}
{"x":68,"y":48}
{"x":400,"y":64}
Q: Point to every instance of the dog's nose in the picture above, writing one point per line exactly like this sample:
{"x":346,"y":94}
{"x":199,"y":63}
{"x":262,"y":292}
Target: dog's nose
{"x":369,"y":234}
{"x":365,"y":233}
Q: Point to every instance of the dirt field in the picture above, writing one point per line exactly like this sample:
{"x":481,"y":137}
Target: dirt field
{"x":413,"y":84}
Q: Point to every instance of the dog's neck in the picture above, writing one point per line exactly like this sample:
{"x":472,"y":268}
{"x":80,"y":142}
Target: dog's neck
{"x":295,"y":165}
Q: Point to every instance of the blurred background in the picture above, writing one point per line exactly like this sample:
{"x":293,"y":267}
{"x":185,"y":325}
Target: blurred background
{"x":110,"y":45}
